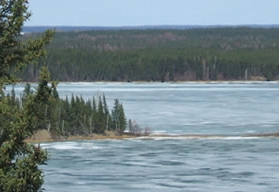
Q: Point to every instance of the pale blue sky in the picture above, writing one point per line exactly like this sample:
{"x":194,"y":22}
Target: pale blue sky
{"x":153,"y":12}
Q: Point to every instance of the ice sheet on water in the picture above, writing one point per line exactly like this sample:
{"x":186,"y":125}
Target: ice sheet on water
{"x":70,"y":146}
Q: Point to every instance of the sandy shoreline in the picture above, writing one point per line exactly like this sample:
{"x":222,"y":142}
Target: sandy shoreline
{"x":78,"y":138}
{"x":44,"y":137}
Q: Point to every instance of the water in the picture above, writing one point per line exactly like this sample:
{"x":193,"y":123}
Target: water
{"x":167,"y":164}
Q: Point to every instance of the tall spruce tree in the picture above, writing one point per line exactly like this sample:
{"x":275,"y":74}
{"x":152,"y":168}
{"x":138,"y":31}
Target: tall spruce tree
{"x":100,"y":117}
{"x":106,"y":111}
{"x":115,"y":115}
{"x":122,"y":119}
{"x":118,"y":117}
{"x":18,"y":160}
{"x":94,"y":115}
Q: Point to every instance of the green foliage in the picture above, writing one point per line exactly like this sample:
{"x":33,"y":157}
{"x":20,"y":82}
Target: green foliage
{"x":16,"y":54}
{"x":43,"y":109}
{"x":162,"y":55}
{"x":77,"y":117}
{"x":18,"y":160}
{"x":118,"y":117}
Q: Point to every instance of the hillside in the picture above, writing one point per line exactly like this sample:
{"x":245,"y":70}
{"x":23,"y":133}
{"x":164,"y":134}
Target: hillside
{"x":226,"y":53}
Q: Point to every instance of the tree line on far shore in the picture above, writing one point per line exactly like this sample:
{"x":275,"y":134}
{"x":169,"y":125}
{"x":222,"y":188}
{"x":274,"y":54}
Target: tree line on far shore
{"x":162,"y":55}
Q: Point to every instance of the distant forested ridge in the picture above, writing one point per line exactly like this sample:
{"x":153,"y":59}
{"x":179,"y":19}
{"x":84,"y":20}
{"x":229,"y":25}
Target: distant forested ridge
{"x":226,"y":53}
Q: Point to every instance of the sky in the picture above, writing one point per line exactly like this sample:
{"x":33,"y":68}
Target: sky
{"x":152,"y":12}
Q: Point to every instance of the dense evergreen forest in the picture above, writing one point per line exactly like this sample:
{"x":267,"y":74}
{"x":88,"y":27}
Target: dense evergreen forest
{"x":162,"y":55}
{"x":71,"y":117}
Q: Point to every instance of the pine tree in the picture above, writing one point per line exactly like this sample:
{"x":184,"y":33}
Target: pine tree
{"x":100,"y":117}
{"x":122,"y":119}
{"x":118,"y":117}
{"x":94,"y":115}
{"x":26,"y":93}
{"x":115,"y":115}
{"x":18,"y":160}
{"x":106,"y":111}
{"x":54,"y":89}
{"x":42,"y":101}
{"x":27,"y":90}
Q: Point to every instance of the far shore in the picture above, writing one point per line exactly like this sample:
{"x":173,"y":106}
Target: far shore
{"x":178,"y":81}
